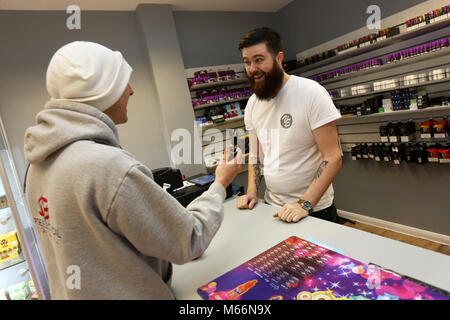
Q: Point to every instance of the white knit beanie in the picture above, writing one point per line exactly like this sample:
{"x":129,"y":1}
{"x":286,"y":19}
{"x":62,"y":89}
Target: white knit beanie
{"x":87,"y":72}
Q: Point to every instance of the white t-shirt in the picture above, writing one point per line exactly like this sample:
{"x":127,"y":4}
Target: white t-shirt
{"x":284,"y":128}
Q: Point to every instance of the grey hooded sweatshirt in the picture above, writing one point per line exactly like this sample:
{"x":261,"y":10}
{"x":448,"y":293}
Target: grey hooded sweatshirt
{"x":106,"y":229}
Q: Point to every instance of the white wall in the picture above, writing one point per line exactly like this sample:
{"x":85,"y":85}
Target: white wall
{"x":28,"y":41}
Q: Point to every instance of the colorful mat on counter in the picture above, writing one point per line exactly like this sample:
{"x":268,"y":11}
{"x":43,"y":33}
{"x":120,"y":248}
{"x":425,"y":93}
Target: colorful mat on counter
{"x":298,"y":269}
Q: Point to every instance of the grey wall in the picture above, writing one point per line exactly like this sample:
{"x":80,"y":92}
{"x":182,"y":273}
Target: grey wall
{"x":212,"y":38}
{"x":306,"y":23}
{"x":408,"y":194}
{"x":168,"y":74}
{"x":29,"y":39}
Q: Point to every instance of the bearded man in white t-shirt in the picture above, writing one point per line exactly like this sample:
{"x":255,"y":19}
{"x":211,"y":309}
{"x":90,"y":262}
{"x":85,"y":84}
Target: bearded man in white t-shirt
{"x":293,"y":137}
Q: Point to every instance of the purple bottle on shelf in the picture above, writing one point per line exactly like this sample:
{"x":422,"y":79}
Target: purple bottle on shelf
{"x":422,"y":49}
{"x":434,"y":46}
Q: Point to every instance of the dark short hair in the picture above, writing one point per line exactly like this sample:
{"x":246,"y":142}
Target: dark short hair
{"x":259,"y":35}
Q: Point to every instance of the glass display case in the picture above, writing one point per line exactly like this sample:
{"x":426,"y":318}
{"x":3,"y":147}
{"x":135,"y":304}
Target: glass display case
{"x":22,"y":272}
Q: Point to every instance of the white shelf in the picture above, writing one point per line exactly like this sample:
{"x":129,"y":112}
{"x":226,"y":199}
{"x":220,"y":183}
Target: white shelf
{"x":235,"y":119}
{"x":217,"y":84}
{"x":373,"y":93}
{"x":380,"y":44}
{"x":386,"y":66}
{"x":209,"y":105}
{"x":409,"y":113}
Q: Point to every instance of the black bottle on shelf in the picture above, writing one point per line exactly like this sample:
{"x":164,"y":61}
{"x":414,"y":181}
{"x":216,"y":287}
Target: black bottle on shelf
{"x":421,"y":153}
{"x":398,"y":153}
{"x":394,"y":131}
{"x":371,"y":151}
{"x":356,"y":152}
{"x":384,"y":134}
{"x":359,"y":152}
{"x":365,"y":151}
{"x":375,"y":152}
{"x":410,"y":153}
{"x":353,"y":152}
{"x":408,"y":131}
{"x":386,"y":153}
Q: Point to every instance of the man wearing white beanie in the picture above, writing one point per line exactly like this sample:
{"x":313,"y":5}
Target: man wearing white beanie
{"x":95,"y":207}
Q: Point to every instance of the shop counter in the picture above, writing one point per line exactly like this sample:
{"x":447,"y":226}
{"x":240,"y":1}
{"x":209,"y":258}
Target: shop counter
{"x":245,"y":234}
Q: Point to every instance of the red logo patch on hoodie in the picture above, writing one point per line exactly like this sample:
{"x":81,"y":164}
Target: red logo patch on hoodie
{"x":43,"y":208}
{"x":43,"y":222}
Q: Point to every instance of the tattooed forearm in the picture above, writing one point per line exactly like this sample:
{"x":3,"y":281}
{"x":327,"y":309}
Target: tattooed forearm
{"x":320,"y":170}
{"x":258,"y":176}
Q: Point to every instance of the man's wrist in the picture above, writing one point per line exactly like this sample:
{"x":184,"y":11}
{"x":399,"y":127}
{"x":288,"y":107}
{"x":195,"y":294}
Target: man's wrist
{"x":223,"y":182}
{"x":306,"y":205}
{"x":252,"y":192}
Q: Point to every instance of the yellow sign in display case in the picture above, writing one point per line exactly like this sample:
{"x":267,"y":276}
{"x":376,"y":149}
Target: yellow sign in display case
{"x":9,"y":246}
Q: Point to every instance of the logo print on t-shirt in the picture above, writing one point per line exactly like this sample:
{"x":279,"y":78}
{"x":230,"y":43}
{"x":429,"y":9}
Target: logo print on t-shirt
{"x":286,"y":120}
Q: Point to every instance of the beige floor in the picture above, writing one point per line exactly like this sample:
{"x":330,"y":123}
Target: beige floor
{"x":401,"y":237}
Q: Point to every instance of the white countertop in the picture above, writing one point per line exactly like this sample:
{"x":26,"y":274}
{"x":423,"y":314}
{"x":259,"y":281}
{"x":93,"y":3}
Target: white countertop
{"x":246,"y":233}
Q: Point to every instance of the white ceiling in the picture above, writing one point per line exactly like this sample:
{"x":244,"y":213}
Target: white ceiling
{"x":130,"y":5}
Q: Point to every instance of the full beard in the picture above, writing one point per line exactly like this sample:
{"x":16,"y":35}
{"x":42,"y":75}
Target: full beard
{"x":269,"y":88}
